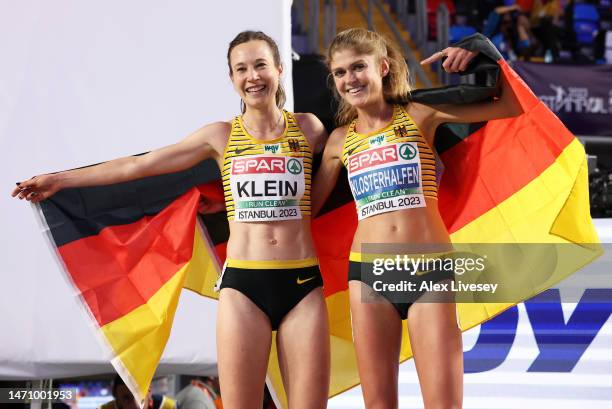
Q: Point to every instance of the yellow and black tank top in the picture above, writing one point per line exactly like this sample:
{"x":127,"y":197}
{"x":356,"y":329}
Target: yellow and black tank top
{"x":391,"y":169}
{"x":267,"y":180}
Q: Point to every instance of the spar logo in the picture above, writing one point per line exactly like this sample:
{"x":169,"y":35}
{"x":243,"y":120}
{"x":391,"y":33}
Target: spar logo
{"x":272,"y":148}
{"x":407,"y":151}
{"x":372,"y":157}
{"x":258,"y":164}
{"x":294,"y":166}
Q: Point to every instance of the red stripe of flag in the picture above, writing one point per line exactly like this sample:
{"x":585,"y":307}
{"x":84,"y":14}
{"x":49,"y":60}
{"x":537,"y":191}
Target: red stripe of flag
{"x":482,"y":171}
{"x":113,"y":281}
{"x":333,"y":234}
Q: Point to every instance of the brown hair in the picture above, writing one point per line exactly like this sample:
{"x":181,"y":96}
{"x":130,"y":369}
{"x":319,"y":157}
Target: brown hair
{"x":396,"y":85}
{"x":245,"y":37}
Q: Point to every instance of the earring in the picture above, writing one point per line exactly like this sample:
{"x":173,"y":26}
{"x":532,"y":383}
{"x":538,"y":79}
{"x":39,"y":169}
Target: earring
{"x":242,"y":106}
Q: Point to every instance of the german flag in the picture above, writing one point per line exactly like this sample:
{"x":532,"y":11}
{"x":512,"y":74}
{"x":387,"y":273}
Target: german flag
{"x":130,"y":248}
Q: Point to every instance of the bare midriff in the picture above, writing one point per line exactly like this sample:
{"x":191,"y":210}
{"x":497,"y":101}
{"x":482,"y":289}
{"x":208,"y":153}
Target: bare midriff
{"x":421,"y":225}
{"x":281,"y":240}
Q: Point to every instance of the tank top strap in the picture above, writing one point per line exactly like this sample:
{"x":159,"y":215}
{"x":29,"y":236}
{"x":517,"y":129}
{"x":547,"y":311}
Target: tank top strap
{"x":291,"y":120}
{"x":401,"y":109}
{"x":349,"y":138}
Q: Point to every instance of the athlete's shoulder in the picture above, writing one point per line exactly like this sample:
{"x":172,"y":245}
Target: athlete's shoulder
{"x":422,"y":115}
{"x":214,"y":135}
{"x":338,"y":134}
{"x":308,"y":122}
{"x":215,"y":130}
{"x":419,"y":109}
{"x":335,"y":143}
{"x":313,"y":129}
{"x":219,"y":126}
{"x":305,"y":117}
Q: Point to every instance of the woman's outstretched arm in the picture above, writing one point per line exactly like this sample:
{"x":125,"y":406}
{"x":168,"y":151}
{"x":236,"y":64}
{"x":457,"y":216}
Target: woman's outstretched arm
{"x":193,"y":149}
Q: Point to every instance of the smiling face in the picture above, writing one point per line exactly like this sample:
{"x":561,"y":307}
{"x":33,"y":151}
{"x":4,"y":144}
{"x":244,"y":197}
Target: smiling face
{"x":254,"y":73}
{"x":358,"y":77}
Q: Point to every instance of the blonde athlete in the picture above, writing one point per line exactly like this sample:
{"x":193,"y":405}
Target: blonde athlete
{"x":385,"y":142}
{"x":271,"y":279}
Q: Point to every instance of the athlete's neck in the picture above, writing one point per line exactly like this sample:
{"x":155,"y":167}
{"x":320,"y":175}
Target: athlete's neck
{"x":374,"y":116}
{"x":263,"y":121}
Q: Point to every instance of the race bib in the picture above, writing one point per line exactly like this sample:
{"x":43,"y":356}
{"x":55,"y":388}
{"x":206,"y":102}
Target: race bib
{"x":386,"y":178}
{"x":267,"y":187}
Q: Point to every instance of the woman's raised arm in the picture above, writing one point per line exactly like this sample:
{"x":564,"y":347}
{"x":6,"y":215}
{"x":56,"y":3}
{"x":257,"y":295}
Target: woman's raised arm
{"x":507,"y":105}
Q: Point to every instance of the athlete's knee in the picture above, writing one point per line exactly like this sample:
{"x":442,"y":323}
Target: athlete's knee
{"x":312,"y":399}
{"x":381,"y":401}
{"x":444,"y":406}
{"x":444,"y":402}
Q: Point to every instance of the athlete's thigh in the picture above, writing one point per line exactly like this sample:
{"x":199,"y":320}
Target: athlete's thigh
{"x":303,"y":349}
{"x":243,"y":347}
{"x":436,"y":344}
{"x":377,"y":333}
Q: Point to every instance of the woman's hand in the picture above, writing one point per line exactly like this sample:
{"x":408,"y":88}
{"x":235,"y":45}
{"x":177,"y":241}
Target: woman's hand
{"x":457,"y":59}
{"x":37,"y":188}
